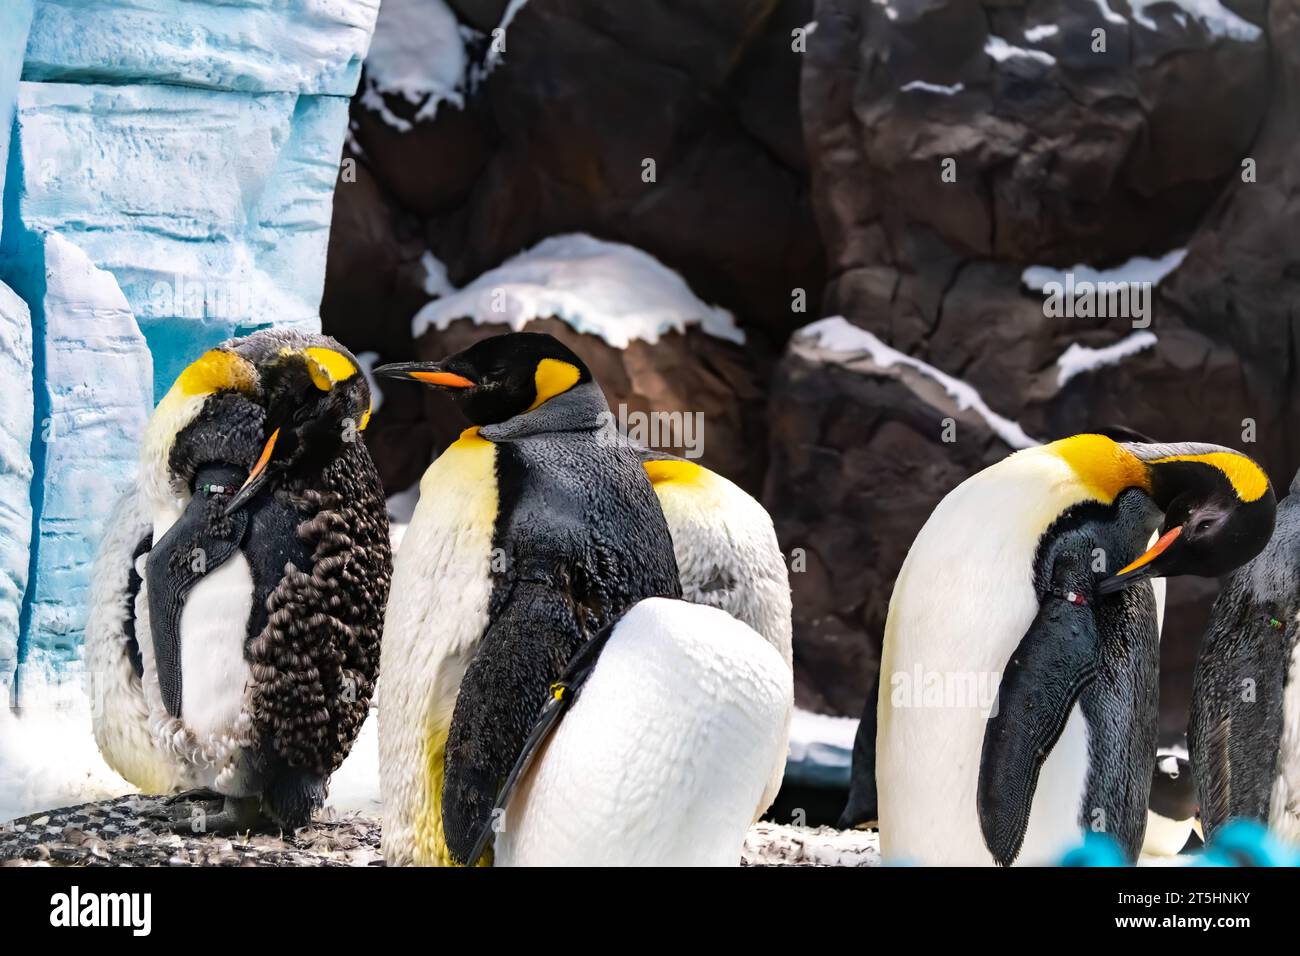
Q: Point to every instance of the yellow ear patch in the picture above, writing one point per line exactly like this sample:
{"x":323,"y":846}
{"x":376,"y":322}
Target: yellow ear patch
{"x":1104,"y":466}
{"x":365,"y":420}
{"x":214,"y":370}
{"x":1247,"y":478}
{"x":553,"y":377}
{"x":327,"y":367}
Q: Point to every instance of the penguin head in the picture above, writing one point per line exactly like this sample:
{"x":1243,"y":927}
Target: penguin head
{"x":1219,"y":511}
{"x":315,"y":398}
{"x":502,"y":377}
{"x":209,"y":411}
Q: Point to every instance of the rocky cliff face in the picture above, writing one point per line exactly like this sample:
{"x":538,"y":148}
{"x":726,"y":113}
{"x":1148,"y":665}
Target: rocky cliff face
{"x":921,"y":168}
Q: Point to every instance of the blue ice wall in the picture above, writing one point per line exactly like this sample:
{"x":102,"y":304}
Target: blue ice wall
{"x":169,"y":180}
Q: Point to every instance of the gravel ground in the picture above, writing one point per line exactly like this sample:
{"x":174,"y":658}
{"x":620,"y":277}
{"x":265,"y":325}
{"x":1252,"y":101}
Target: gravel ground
{"x":128,"y":832}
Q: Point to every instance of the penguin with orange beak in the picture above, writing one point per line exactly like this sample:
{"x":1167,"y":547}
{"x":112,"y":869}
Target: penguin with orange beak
{"x":1019,"y":684}
{"x":242,"y":586}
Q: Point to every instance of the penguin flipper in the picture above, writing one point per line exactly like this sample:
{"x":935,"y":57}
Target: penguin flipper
{"x":504,"y":690}
{"x":200,"y":541}
{"x":1055,"y":661}
{"x":562,"y":695}
{"x":863,"y":805}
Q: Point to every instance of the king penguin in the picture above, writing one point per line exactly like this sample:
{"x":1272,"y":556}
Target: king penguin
{"x":540,"y":548}
{"x":1244,"y":733}
{"x":239,"y":593}
{"x":1172,"y":813}
{"x":728,"y":557}
{"x":1018,"y":690}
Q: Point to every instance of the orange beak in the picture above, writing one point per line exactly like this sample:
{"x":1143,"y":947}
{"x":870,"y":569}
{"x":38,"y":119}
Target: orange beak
{"x":446,"y":379}
{"x":255,"y":477}
{"x":1154,"y":551}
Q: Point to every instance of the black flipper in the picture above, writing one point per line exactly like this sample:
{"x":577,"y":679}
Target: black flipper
{"x":133,"y":584}
{"x":200,"y":541}
{"x":1055,"y":661}
{"x":863,"y":805}
{"x":562,"y":695}
{"x":503,"y":692}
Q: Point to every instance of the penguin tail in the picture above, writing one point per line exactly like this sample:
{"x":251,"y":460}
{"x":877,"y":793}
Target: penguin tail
{"x":293,"y":795}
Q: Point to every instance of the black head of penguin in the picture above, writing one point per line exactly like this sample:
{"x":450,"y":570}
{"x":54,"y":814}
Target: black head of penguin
{"x":315,"y":399}
{"x":499,"y":378}
{"x":1173,"y":788}
{"x":1219,"y":513}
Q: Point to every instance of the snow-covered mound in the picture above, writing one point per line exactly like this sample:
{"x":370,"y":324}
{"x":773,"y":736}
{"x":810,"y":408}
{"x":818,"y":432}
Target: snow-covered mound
{"x":607,"y":289}
{"x":417,"y":53}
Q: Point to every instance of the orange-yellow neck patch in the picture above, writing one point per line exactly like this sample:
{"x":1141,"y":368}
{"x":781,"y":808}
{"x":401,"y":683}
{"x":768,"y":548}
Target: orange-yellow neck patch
{"x":1105,"y":467}
{"x":670,"y":470}
{"x":214,"y":370}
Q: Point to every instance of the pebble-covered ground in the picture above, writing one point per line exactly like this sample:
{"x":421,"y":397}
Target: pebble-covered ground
{"x":130,"y":831}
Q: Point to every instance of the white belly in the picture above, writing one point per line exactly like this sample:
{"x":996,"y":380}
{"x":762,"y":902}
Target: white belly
{"x":1284,"y":805}
{"x":961,"y":605}
{"x":664,"y":758}
{"x":214,"y":671}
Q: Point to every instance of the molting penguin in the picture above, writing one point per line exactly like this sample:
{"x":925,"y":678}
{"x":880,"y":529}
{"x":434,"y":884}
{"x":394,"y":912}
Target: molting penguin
{"x":728,"y":557}
{"x":261,"y":574}
{"x":1244,"y":733}
{"x":1171,"y":815}
{"x":1004,"y":587}
{"x":535,"y":531}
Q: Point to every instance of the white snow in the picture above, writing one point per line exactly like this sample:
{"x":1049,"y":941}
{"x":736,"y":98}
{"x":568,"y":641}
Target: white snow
{"x":821,"y":748}
{"x":776,"y":844}
{"x":933,"y":87}
{"x":1108,"y":14}
{"x":355,"y":785}
{"x":436,"y":282}
{"x":810,"y":28}
{"x":494,"y":55}
{"x":1137,"y":269}
{"x":1078,"y":359}
{"x":890,"y":12}
{"x":368,"y":360}
{"x":1002,"y":51}
{"x":1218,"y":19}
{"x":48,"y":757}
{"x":1043,"y":31}
{"x":836,"y":334}
{"x":417,"y":53}
{"x":607,"y":289}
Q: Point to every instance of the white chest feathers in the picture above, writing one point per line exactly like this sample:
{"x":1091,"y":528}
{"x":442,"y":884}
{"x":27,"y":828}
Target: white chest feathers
{"x":664,"y":758}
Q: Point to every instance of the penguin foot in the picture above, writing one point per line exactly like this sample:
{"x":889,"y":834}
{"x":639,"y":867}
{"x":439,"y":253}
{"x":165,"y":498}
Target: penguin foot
{"x":225,"y":816}
{"x":199,"y":793}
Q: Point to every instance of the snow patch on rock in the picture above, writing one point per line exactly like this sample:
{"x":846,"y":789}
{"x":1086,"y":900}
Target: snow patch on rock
{"x":1042,"y":32}
{"x":1216,"y":18}
{"x":1002,"y":51}
{"x":938,"y":88}
{"x":836,"y":334}
{"x":1137,"y":269}
{"x":1078,"y":359}
{"x":606,"y":289}
{"x":417,"y":53}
